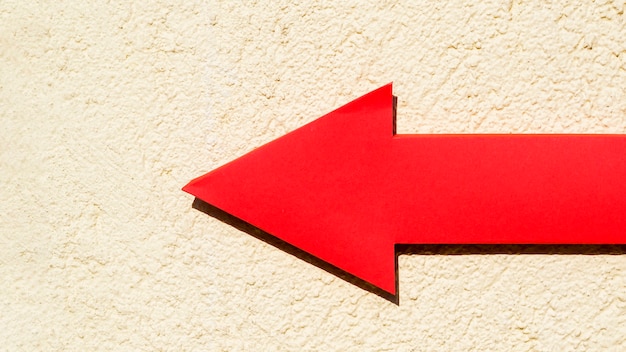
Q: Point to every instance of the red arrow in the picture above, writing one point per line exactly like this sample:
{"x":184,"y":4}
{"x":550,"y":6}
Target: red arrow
{"x":346,"y":189}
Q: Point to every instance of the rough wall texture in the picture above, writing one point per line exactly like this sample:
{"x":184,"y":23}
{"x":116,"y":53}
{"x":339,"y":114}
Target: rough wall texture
{"x":108,"y":108}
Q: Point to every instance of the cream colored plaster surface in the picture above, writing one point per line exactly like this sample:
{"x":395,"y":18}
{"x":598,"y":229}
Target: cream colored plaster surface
{"x":108,"y":108}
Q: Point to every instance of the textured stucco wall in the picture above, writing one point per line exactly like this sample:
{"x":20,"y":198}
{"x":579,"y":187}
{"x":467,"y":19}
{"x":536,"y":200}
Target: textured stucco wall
{"x":108,"y":108}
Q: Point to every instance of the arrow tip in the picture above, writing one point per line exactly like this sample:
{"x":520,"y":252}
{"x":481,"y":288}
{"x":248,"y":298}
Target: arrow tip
{"x":301,"y":188}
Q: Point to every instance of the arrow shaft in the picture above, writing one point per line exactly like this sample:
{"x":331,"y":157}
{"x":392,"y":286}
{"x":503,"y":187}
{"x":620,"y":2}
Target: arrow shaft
{"x":511,"y":189}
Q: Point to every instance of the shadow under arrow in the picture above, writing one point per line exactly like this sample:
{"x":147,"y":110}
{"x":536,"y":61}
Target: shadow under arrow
{"x":400,"y":249}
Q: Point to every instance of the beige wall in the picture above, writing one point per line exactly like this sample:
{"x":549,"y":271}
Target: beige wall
{"x":108,"y":109}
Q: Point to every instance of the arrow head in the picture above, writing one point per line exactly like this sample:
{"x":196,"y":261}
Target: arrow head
{"x":316,"y":188}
